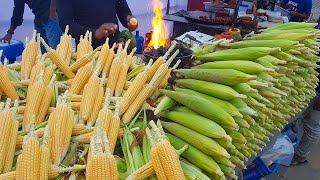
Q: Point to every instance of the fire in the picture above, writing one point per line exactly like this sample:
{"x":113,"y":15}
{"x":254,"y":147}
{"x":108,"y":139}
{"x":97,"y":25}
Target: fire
{"x":160,"y":29}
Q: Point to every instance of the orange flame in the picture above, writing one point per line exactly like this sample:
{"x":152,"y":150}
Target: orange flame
{"x":160,"y":30}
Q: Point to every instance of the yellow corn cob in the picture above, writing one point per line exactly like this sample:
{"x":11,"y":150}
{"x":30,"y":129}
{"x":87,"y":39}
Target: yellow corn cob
{"x":63,"y":47}
{"x":96,"y":107}
{"x":105,"y":114}
{"x":35,"y":72}
{"x":89,"y":93}
{"x":47,"y":96}
{"x":10,"y":150}
{"x":29,"y":57}
{"x":114,"y":128}
{"x":106,"y":67}
{"x":83,"y":46}
{"x":7,"y":87}
{"x":142,"y":173}
{"x":48,"y":72}
{"x":114,"y":74}
{"x":81,"y":129}
{"x":29,"y":167}
{"x":122,"y":78}
{"x":84,"y":60}
{"x":34,"y":98}
{"x":103,"y":56}
{"x":164,"y":158}
{"x":44,"y":157}
{"x":81,"y":78}
{"x":55,"y":58}
{"x":134,"y":89}
{"x":8,"y":176}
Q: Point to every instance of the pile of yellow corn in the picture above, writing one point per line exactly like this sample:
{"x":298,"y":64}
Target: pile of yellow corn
{"x":83,"y":114}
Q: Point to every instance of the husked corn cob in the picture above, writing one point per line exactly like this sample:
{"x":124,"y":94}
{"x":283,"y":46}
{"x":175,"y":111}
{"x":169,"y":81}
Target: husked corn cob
{"x":55,"y":58}
{"x":29,"y":57}
{"x":89,"y":93}
{"x":164,"y":158}
{"x":84,"y":60}
{"x":48,"y":73}
{"x":97,"y":104}
{"x":122,"y":78}
{"x":34,"y":97}
{"x":109,"y":60}
{"x":134,"y":89}
{"x":36,"y":71}
{"x":64,"y":48}
{"x":7,"y":87}
{"x":114,"y":128}
{"x":44,"y":156}
{"x":103,"y":56}
{"x":114,"y":74}
{"x":81,"y":78}
{"x":47,"y":96}
{"x":83,"y":46}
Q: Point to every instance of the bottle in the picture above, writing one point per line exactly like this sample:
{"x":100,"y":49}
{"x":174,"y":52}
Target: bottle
{"x":140,"y":41}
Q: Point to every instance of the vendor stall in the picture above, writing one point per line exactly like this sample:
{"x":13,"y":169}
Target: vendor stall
{"x":196,"y":106}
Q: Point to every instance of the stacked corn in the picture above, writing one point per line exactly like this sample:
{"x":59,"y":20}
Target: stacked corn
{"x":220,"y":112}
{"x":231,"y":101}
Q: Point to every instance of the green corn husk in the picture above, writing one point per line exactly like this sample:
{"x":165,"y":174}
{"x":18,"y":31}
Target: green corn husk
{"x":250,"y":53}
{"x":245,"y":153}
{"x":249,"y":120}
{"x":243,"y":107}
{"x":228,"y":171}
{"x":248,"y":67}
{"x":246,"y":133}
{"x":256,"y":141}
{"x":225,"y":143}
{"x":273,"y":60}
{"x":237,"y":137}
{"x":278,"y":36}
{"x":244,"y":88}
{"x":283,"y":44}
{"x":235,"y":152}
{"x":231,"y":109}
{"x":238,"y":162}
{"x":241,"y":122}
{"x":202,"y":106}
{"x":194,"y":172}
{"x":199,"y":141}
{"x":195,"y":156}
{"x":213,"y":89}
{"x":224,"y":161}
{"x":252,"y":152}
{"x":221,"y":76}
{"x":165,"y":104}
{"x":197,"y":123}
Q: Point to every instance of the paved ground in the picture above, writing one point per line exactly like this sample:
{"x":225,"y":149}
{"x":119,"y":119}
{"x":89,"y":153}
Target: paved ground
{"x":315,"y":9}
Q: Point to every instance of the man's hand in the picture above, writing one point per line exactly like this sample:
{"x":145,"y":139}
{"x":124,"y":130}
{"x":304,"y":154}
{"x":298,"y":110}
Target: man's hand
{"x":6,"y":38}
{"x":105,"y":30}
{"x":132,"y":23}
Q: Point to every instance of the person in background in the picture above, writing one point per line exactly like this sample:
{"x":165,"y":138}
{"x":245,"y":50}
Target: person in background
{"x":299,"y":9}
{"x":45,"y":22}
{"x":99,"y":16}
{"x":311,"y":128}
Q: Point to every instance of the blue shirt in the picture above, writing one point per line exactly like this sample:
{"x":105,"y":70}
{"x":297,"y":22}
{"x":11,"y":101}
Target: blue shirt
{"x":300,"y":6}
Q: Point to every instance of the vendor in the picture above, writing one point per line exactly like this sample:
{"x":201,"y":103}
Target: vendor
{"x":99,"y":16}
{"x":45,"y":22}
{"x":299,"y":9}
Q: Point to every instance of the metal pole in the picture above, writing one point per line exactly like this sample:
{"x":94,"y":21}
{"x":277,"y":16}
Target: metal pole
{"x":255,"y":16}
{"x":168,"y":7}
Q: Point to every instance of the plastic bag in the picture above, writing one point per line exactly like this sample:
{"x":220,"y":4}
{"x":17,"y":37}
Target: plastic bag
{"x":282,"y":152}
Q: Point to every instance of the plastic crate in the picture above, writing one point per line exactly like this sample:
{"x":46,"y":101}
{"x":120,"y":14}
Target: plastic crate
{"x":11,"y":51}
{"x":259,"y":169}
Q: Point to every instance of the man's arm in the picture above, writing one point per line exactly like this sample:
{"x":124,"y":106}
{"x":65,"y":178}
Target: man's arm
{"x":53,"y":9}
{"x":123,"y":12}
{"x":16,"y":19}
{"x":307,"y":11}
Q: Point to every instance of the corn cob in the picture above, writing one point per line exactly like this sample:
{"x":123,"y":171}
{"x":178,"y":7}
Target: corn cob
{"x":84,"y":60}
{"x":87,"y":102}
{"x":35,"y":95}
{"x":134,"y":89}
{"x":114,"y":128}
{"x":48,"y":72}
{"x":44,"y":156}
{"x":47,"y":96}
{"x":109,"y":60}
{"x":103,"y":56}
{"x":7,"y":87}
{"x":64,"y":48}
{"x":283,"y":44}
{"x":197,"y":123}
{"x":61,"y":64}
{"x":164,"y":158}
{"x":36,"y":71}
{"x":250,"y":53}
{"x":97,"y":104}
{"x":114,"y":74}
{"x":201,"y":106}
{"x":83,"y":46}
{"x":196,"y":139}
{"x":29,"y":57}
{"x":81,"y":78}
{"x":248,"y":67}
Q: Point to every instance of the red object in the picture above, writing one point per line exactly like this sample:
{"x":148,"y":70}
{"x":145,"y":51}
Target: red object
{"x":147,"y":39}
{"x":194,"y":5}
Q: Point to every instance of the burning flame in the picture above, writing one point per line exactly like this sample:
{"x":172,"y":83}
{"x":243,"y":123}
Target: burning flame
{"x":160,"y":30}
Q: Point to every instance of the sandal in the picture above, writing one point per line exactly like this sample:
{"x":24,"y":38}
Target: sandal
{"x":297,"y":160}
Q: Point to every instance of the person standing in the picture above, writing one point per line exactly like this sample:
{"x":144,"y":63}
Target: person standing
{"x":99,"y":17}
{"x":300,"y":10}
{"x":45,"y":22}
